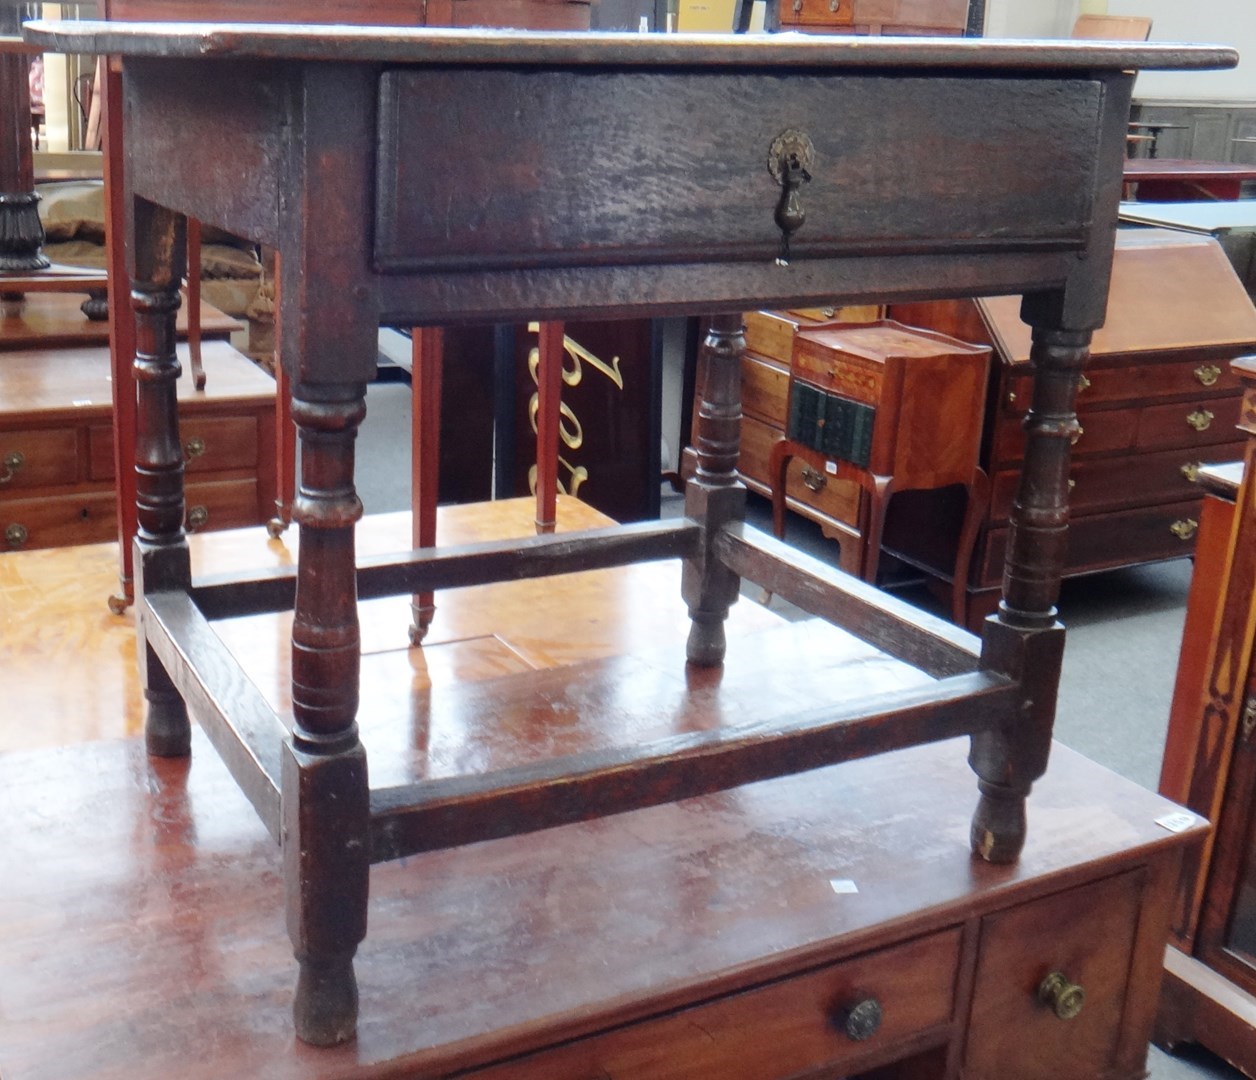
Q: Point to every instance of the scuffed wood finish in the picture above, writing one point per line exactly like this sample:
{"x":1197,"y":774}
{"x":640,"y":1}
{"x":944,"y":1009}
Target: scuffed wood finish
{"x":549,"y":223}
{"x":712,"y":898}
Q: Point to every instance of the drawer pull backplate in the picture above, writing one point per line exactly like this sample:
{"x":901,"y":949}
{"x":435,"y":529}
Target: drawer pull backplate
{"x":1184,"y":528}
{"x":1207,"y":374}
{"x":1200,"y":419}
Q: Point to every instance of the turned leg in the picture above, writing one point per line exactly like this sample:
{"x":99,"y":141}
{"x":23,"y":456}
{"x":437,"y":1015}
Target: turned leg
{"x":21,"y":233}
{"x":714,"y":495}
{"x":326,"y":840}
{"x":161,"y":552}
{"x":1024,"y":639}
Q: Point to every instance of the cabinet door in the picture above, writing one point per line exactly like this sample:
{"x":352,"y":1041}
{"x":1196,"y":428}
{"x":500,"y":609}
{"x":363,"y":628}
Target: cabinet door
{"x":1085,"y":935}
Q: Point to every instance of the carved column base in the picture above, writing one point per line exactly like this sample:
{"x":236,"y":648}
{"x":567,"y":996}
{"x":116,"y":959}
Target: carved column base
{"x":998,"y":828}
{"x":21,"y":233}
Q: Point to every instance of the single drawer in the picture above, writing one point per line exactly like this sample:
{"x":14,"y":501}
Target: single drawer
{"x":1102,"y":431}
{"x":223,"y":504}
{"x":38,"y":459}
{"x":1136,"y":383}
{"x":1116,"y":483}
{"x":1081,"y":938}
{"x":783,"y":1029}
{"x":58,"y":521}
{"x":1101,"y":541}
{"x":817,"y":12}
{"x":808,"y":491}
{"x":1188,"y":423}
{"x":764,"y":389}
{"x":210,"y":444}
{"x":854,"y":377}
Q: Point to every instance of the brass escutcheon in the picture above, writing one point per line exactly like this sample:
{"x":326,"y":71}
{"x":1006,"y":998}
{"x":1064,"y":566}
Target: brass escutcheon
{"x":1207,"y":374}
{"x":13,"y":461}
{"x":1065,"y":998}
{"x":1184,"y":528}
{"x":16,"y":535}
{"x":1200,"y":419}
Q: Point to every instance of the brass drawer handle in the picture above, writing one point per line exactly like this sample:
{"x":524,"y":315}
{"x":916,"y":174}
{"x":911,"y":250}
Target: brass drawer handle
{"x":1184,"y":528}
{"x":1200,"y":419}
{"x":1064,"y":998}
{"x":13,"y":461}
{"x":813,"y":480}
{"x":1191,"y":471}
{"x":1076,"y":437}
{"x":194,"y":447}
{"x":1072,"y":484}
{"x":197,"y":517}
{"x":16,"y":535}
{"x":1083,"y":383}
{"x":1207,"y":374}
{"x":861,"y":1019}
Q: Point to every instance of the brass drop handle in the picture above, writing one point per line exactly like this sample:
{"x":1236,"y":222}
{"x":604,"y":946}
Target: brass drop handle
{"x":1083,"y":383}
{"x":797,"y":7}
{"x":1191,"y":471}
{"x":860,"y":1019}
{"x":1207,"y":374}
{"x":1200,"y":419}
{"x":194,"y":447}
{"x":16,"y":535}
{"x":813,"y":480}
{"x":1064,"y":998}
{"x":1184,"y":528}
{"x":13,"y":461}
{"x":197,"y":517}
{"x":790,"y":158}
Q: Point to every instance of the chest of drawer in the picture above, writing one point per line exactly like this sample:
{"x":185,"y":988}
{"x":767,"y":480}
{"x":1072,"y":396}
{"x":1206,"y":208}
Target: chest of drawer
{"x":1102,"y":431}
{"x":823,"y":1019}
{"x":806,"y":489}
{"x":853,"y":377}
{"x":86,"y":517}
{"x":817,"y":13}
{"x":1135,"y":383}
{"x":39,"y":458}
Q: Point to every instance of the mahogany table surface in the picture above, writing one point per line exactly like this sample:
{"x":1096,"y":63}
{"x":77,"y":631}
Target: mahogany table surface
{"x":52,"y":320}
{"x":1184,"y":179}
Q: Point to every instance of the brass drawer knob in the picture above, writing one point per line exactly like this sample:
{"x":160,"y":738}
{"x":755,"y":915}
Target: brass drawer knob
{"x":1207,"y":374}
{"x":13,"y":461}
{"x":1184,"y":528}
{"x":194,"y":447}
{"x":861,"y":1019}
{"x":813,"y":479}
{"x":16,"y":535}
{"x":1064,"y":998}
{"x":1191,"y":471}
{"x":197,"y":517}
{"x":1200,"y":419}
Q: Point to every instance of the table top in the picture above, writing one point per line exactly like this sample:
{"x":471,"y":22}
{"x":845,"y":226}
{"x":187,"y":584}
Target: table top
{"x":448,"y":46}
{"x":1187,"y":169}
{"x":1203,"y":217}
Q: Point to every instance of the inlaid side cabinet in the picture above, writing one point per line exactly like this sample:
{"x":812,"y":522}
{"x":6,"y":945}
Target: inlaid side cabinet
{"x":1210,"y":765}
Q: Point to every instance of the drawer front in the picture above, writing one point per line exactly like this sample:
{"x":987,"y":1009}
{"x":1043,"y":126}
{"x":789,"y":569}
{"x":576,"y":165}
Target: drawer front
{"x":805,"y":488}
{"x":854,"y":377}
{"x":1122,"y":482}
{"x":37,"y":459}
{"x":1101,"y":541}
{"x":1139,"y":383}
{"x":210,"y":444}
{"x":784,"y":1029}
{"x":764,"y":389}
{"x":817,"y":13}
{"x":59,"y":521}
{"x":1188,"y":423}
{"x":559,"y":160}
{"x":1087,"y":936}
{"x":1102,"y":431}
{"x":223,"y":504}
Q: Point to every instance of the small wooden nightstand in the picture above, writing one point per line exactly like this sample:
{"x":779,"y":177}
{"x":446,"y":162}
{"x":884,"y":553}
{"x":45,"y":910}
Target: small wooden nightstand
{"x":891,"y":408}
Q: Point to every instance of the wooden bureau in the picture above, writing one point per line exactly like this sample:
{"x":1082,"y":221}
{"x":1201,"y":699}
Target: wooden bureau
{"x":57,"y":472}
{"x":1157,"y":400}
